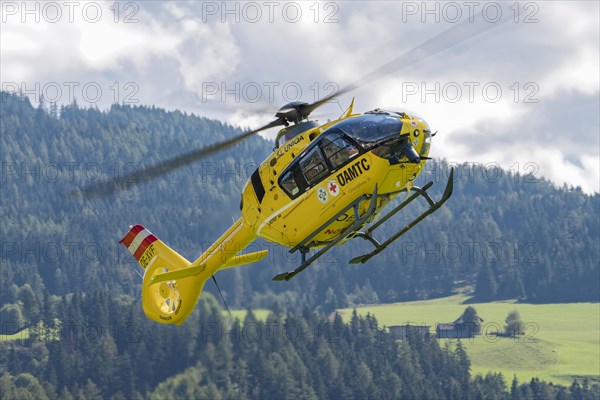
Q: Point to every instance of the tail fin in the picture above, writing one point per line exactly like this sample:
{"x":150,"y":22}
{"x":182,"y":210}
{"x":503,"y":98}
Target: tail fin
{"x":146,"y":248}
{"x":162,"y":301}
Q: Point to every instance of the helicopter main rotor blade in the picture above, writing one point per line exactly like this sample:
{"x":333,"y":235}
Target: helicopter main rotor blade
{"x":110,"y":187}
{"x":455,"y":35}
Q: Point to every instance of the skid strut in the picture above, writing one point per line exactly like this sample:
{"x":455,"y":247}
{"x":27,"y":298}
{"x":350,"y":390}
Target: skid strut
{"x":433,"y":206}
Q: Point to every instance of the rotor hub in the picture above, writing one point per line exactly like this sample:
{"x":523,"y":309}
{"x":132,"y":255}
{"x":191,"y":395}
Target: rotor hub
{"x":292,"y":112}
{"x":165,"y":290}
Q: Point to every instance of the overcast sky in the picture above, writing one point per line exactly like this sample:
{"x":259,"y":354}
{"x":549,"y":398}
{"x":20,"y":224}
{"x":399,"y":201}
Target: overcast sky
{"x":524,"y":94}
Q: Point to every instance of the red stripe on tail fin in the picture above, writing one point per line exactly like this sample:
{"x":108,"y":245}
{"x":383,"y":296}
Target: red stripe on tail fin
{"x":128,"y":238}
{"x":143,"y":246}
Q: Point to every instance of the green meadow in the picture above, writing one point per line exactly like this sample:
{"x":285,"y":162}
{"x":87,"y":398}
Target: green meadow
{"x":40,"y":331}
{"x":561,"y":341}
{"x":259,"y":313}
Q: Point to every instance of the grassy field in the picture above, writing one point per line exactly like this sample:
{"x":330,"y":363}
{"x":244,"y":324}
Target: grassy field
{"x":21,"y":335}
{"x":561,"y":341}
{"x":40,"y":330}
{"x":259,"y":314}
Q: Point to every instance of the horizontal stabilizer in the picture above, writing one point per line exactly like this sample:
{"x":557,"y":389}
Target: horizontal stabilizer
{"x":177,"y":274}
{"x":237,"y":261}
{"x":244,"y":259}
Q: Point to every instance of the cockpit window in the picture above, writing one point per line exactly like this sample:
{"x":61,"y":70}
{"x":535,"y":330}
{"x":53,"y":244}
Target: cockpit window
{"x":313,"y":166}
{"x":325,"y":155}
{"x":338,"y":150}
{"x":288,"y":183}
{"x":370,"y":127}
{"x":426,"y":142}
{"x":290,"y":132}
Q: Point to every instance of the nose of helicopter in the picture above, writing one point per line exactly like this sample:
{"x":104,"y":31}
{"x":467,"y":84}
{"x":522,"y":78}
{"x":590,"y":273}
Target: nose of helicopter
{"x":420,"y":137}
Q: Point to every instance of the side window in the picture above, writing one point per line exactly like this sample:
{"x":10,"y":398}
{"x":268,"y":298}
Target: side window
{"x":313,"y":166}
{"x":288,"y":183}
{"x":338,"y":150}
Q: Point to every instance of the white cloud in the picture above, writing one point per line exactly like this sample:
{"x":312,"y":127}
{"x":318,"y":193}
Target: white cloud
{"x":576,"y":66}
{"x":175,"y":49}
{"x":205,"y":53}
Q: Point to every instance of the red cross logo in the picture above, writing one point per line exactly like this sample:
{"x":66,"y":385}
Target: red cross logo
{"x":333,"y":187}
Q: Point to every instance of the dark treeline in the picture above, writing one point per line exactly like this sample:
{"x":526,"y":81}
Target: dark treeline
{"x":507,"y":234}
{"x":103,"y":347}
{"x":510,"y":235}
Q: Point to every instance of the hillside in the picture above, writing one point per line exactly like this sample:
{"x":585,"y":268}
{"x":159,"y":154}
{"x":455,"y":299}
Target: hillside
{"x":514,"y":235}
{"x":66,"y":280}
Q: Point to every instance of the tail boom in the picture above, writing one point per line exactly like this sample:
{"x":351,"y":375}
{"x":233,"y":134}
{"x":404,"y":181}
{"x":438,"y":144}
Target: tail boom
{"x":171,"y":284}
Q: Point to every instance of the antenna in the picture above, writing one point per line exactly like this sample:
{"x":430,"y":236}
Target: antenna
{"x":221,"y":294}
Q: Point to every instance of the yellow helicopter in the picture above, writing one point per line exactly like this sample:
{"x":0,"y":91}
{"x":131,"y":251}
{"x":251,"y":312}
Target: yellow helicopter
{"x":321,"y":186}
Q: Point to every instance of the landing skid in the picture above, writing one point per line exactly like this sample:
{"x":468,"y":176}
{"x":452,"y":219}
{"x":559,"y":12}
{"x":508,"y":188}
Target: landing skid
{"x":359,"y":221}
{"x":433,"y":207}
{"x":304,"y":246}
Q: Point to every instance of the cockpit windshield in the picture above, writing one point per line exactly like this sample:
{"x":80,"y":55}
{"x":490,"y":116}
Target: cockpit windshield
{"x":369,"y":128}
